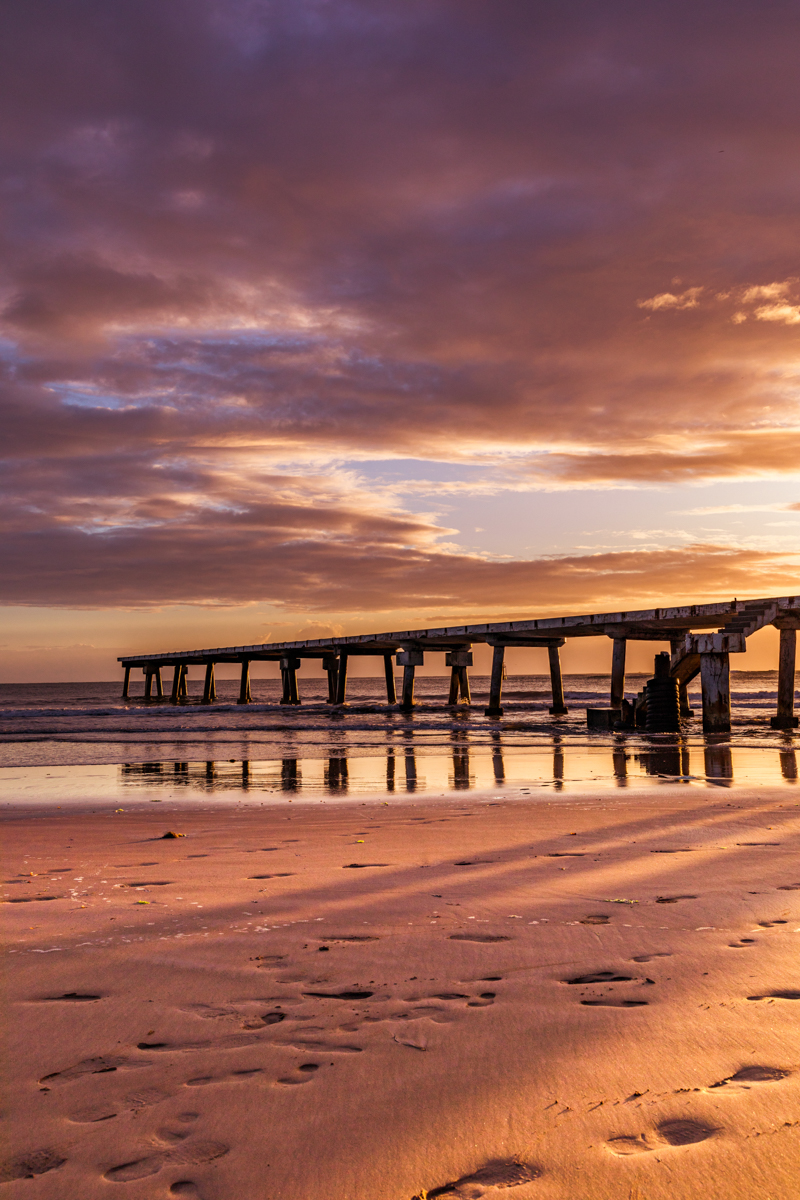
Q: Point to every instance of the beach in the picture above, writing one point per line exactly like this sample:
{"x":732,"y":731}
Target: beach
{"x":589,"y":995}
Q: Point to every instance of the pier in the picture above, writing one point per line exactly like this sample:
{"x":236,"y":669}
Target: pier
{"x":701,"y":637}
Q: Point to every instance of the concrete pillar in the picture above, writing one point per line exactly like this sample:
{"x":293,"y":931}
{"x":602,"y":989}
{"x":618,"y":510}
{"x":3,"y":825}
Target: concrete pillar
{"x":209,"y":686}
{"x":558,"y":707}
{"x":459,"y":661}
{"x":126,"y":683}
{"x":683,"y":698}
{"x":786,"y":668}
{"x":341,"y":680}
{"x":183,"y":681}
{"x":409,"y":660}
{"x":245,"y":696}
{"x":289,"y":665}
{"x":715,"y":682}
{"x":618,"y":672}
{"x":177,"y":676}
{"x":496,"y":685}
{"x":330,"y":665}
{"x":408,"y":686}
{"x":388,"y":671}
{"x":148,"y":683}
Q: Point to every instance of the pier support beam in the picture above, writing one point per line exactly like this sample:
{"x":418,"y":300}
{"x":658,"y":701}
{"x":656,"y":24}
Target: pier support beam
{"x":388,"y":671}
{"x":409,"y":660}
{"x":341,"y":680}
{"x":150,"y":674}
{"x":786,"y":669}
{"x":245,"y":695}
{"x":459,"y":662}
{"x":558,"y":707}
{"x":289,"y":676}
{"x":210,"y":686}
{"x":618,"y":672}
{"x":408,"y":687}
{"x":179,"y":688}
{"x":496,"y":686}
{"x":126,"y":683}
{"x":715,"y":683}
{"x":330,"y":664}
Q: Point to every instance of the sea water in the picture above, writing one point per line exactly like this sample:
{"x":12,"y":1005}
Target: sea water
{"x":76,"y":741}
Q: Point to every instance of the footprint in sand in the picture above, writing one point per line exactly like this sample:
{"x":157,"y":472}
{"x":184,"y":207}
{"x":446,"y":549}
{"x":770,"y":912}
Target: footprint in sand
{"x":743,"y":1079}
{"x":643,"y":958}
{"x":28,"y":1166}
{"x":479,"y":937}
{"x":780,"y":994}
{"x":102,"y":1065}
{"x":495,"y":1175}
{"x":75,"y":996}
{"x":144,"y":1098}
{"x":305,"y":1073}
{"x":668,"y":1133}
{"x":140,"y":1168}
{"x":228,"y":1077}
{"x":673,"y":899}
{"x":605,"y":978}
{"x":595,"y":919}
{"x":742,"y":942}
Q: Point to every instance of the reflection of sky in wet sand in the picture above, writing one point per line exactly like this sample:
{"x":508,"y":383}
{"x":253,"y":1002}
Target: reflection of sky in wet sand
{"x":406,"y":768}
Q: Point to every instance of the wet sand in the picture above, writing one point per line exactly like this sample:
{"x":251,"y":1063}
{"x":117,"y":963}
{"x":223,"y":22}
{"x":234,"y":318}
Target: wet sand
{"x":592,"y":997}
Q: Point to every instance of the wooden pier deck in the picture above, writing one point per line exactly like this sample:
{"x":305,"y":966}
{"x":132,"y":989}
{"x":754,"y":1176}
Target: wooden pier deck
{"x":701,"y":636}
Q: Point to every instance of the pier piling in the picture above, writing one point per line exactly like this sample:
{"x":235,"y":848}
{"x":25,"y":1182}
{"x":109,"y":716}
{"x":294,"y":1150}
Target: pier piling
{"x":618,"y":671}
{"x":785,"y":718}
{"x":126,"y":683}
{"x":558,"y":708}
{"x":330,"y":664}
{"x":388,"y":673}
{"x":209,"y":686}
{"x":716,"y":687}
{"x":496,"y":684}
{"x":341,"y":680}
{"x":245,"y":695}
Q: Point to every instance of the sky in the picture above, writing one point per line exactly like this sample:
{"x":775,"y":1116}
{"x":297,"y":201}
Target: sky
{"x":328,"y":316}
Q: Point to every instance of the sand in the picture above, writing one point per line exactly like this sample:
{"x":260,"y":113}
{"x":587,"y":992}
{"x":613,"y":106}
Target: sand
{"x":564,"y":998}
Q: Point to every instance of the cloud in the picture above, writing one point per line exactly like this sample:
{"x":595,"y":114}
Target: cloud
{"x":687,"y":299}
{"x":787,"y":314}
{"x":249,"y":243}
{"x":767,"y":291}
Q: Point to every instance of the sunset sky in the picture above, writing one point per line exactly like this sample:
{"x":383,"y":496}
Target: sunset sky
{"x":327,"y":316}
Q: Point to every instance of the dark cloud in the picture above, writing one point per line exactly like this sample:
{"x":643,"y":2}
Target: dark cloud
{"x":244,"y":236}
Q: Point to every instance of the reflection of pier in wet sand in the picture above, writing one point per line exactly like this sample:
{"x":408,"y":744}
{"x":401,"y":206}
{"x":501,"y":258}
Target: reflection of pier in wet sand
{"x":701,"y":638}
{"x":555,"y":764}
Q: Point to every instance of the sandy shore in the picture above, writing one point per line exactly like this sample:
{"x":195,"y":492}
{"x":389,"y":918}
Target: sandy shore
{"x":584,"y":999}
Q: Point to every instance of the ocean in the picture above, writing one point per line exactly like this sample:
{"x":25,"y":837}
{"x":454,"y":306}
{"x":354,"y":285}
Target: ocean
{"x":80,"y":741}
